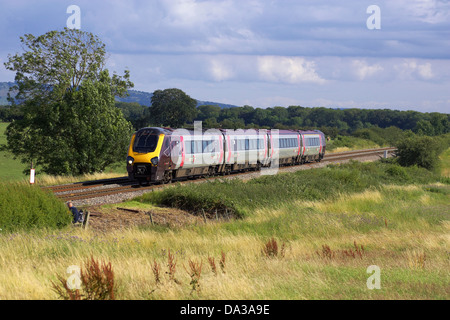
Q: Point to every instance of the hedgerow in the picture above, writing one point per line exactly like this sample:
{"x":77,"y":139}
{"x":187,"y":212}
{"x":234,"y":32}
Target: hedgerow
{"x":25,"y":207}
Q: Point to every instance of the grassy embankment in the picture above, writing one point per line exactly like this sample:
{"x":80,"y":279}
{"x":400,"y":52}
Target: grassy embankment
{"x":330,"y":225}
{"x":348,"y":143}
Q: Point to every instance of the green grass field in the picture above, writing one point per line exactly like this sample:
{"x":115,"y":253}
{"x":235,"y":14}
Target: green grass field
{"x":10,"y":169}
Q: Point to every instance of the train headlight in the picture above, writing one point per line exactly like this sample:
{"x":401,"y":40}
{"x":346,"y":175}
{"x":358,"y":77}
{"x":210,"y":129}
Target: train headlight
{"x":130,"y":160}
{"x":154,"y":161}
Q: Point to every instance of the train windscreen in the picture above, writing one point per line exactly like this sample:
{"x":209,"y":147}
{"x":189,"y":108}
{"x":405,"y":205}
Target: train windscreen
{"x":145,"y":141}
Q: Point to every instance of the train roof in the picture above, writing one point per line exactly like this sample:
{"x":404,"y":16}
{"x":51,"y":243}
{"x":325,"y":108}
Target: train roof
{"x":169,"y":131}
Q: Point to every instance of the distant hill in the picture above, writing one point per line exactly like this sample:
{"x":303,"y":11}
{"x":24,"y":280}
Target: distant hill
{"x":4,"y":88}
{"x":222,"y":105}
{"x":144,"y":98}
{"x":141,"y":97}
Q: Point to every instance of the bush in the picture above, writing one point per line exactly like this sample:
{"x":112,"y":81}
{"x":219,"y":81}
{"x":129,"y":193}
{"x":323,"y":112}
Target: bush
{"x":24,"y":207}
{"x":422,"y":151}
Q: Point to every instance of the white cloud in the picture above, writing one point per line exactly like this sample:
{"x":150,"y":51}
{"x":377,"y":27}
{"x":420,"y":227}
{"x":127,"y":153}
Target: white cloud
{"x":425,"y":71}
{"x":412,"y":69}
{"x":220,"y":71}
{"x":429,"y":11}
{"x":287,"y":70}
{"x":363,"y":70}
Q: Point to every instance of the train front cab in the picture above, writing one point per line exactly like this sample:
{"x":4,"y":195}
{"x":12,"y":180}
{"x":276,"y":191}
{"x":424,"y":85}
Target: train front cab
{"x":144,"y":160}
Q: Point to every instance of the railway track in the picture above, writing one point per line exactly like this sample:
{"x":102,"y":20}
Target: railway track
{"x":101,"y":188}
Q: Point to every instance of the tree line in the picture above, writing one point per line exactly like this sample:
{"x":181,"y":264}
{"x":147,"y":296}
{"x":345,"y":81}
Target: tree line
{"x":332,"y":121}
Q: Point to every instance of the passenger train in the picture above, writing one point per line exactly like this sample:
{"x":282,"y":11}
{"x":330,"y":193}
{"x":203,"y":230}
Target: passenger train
{"x":166,"y":154}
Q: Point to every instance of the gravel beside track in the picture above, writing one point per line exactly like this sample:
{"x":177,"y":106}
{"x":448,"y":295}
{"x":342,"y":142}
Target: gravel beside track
{"x":124,"y":195}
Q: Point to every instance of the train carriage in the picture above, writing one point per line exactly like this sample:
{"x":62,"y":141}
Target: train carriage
{"x":245,"y":149}
{"x":163,"y":154}
{"x":312,"y":145}
{"x":288,"y":145}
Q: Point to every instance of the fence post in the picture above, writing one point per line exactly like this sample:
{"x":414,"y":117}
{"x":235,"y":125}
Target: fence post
{"x":32,"y":173}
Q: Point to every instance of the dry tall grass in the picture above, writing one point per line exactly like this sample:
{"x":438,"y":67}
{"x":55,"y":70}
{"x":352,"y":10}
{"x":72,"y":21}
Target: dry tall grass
{"x":402,"y":229}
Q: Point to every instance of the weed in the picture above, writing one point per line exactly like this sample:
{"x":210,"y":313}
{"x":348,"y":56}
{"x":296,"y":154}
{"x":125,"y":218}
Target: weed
{"x":64,"y":291}
{"x":357,"y":251}
{"x":156,"y":268}
{"x":212,"y":264}
{"x":97,"y":283}
{"x":417,"y":259}
{"x":195,"y":273}
{"x":222,"y":261}
{"x":172,"y":265}
{"x":270,"y":249}
{"x":326,"y":252}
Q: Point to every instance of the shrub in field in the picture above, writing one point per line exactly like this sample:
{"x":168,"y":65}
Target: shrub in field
{"x":422,"y":151}
{"x":397,"y":172}
{"x":24,"y":207}
{"x":196,"y":198}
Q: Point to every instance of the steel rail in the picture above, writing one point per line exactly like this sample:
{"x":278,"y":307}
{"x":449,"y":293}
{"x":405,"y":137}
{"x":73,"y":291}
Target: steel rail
{"x":88,"y":192}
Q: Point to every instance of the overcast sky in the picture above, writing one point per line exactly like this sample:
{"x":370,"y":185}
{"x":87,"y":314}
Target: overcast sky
{"x":263,"y":53}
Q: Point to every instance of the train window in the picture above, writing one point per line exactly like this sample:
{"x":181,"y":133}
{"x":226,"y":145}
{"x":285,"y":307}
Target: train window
{"x":145,"y":142}
{"x":205,"y":144}
{"x":208,"y":146}
{"x":261,"y":144}
{"x":253,"y":144}
{"x":241,"y":144}
{"x":198,"y":146}
{"x":287,"y":143}
{"x":312,"y":142}
{"x":187,"y":147}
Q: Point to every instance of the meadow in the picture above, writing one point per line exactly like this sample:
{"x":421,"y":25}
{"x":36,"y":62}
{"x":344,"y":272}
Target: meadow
{"x":315,"y":244}
{"x":10,"y":169}
{"x":313,"y":234}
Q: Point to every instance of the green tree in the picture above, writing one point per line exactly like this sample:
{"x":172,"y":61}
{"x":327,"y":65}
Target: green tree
{"x":424,"y":127}
{"x":440,"y":123}
{"x":70,"y":124}
{"x":172,"y":107}
{"x":135,"y":113}
{"x":208,"y":112}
